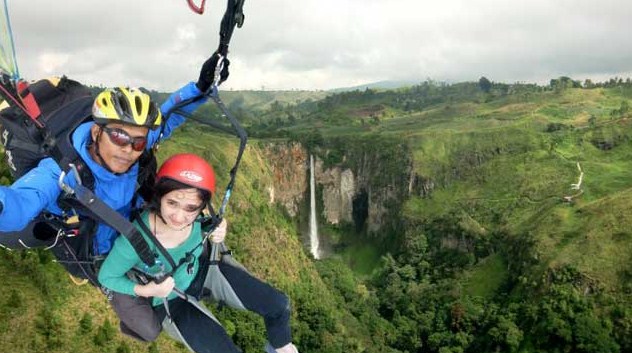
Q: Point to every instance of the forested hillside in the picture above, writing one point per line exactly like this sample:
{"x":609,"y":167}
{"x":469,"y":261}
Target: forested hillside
{"x":513,"y":231}
{"x":464,"y":233}
{"x":41,"y":310}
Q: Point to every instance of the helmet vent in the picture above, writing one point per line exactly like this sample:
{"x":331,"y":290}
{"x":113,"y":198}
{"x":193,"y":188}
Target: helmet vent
{"x":152,"y":114}
{"x":138,"y":103}
{"x":126,"y":106}
{"x":122,"y":102}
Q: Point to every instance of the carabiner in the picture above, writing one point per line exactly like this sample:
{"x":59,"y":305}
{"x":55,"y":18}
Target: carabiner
{"x":65,"y":187}
{"x":218,"y":70}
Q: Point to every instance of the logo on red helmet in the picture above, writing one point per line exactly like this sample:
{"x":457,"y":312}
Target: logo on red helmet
{"x":191,"y":175}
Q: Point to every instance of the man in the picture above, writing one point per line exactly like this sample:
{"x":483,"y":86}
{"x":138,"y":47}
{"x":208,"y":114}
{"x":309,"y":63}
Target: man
{"x":125,"y":124}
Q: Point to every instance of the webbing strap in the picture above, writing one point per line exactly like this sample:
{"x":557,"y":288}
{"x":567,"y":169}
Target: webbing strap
{"x":23,"y":145}
{"x":186,"y":259}
{"x":237,"y":130}
{"x":154,"y":240}
{"x":101,"y":212}
{"x":243,"y":140}
{"x":234,"y":16}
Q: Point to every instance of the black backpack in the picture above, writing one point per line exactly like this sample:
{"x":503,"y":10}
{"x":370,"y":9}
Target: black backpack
{"x":65,"y":104}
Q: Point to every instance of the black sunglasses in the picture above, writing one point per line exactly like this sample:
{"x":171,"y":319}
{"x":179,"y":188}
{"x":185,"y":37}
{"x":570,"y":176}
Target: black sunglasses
{"x":121,"y":138}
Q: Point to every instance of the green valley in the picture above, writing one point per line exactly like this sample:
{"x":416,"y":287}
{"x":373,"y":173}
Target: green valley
{"x":448,"y":213}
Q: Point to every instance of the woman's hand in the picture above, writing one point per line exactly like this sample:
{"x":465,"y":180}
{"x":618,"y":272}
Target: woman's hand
{"x":153,"y":289}
{"x":218,"y":235}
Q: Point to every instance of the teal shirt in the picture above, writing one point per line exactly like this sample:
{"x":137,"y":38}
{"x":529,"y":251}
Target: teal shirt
{"x":123,"y":258}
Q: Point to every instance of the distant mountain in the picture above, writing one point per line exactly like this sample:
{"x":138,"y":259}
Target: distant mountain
{"x":388,"y":84}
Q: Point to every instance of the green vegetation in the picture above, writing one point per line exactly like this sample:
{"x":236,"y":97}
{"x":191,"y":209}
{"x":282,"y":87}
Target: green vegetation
{"x":486,"y":278}
{"x":483,"y":245}
{"x":490,"y":257}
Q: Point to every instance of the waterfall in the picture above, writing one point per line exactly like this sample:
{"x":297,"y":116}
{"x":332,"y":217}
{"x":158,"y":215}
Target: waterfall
{"x":313,"y":228}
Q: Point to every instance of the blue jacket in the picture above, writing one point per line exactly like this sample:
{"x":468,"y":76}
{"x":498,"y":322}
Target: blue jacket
{"x":38,"y":189}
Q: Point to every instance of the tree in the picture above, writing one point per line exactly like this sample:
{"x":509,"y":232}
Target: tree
{"x":484,"y":84}
{"x":15,"y":302}
{"x":49,"y":325}
{"x":105,"y":334}
{"x":591,"y":335}
{"x":506,"y":335}
{"x":85,"y":324}
{"x":624,"y":109}
{"x":153,"y":348}
{"x":123,"y":348}
{"x":563,"y":82}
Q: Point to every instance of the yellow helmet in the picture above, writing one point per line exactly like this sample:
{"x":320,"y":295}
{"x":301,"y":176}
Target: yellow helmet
{"x":126,"y":106}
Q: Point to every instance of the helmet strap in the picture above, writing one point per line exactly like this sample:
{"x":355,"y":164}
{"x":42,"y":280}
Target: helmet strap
{"x":102,"y":161}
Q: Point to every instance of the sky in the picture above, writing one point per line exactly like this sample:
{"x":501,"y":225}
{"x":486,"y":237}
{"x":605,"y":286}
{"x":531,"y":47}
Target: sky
{"x":324,"y":44}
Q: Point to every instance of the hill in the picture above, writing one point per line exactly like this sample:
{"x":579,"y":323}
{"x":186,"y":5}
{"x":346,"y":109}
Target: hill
{"x":477,"y":215}
{"x":379,"y":85}
{"x":456,"y":228}
{"x":41,"y":310}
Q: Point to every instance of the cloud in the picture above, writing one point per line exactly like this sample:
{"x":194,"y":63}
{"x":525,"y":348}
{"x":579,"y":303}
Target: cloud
{"x":321,"y":44}
{"x":50,"y":63}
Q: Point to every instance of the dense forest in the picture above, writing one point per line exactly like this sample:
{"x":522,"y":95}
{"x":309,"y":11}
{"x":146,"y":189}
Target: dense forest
{"x":482,"y":244}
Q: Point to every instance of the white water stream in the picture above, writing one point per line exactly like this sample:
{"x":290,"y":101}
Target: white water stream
{"x":313,"y":227}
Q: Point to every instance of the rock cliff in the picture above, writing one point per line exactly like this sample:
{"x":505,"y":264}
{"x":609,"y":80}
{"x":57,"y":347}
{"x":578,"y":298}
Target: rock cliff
{"x":365,"y":187}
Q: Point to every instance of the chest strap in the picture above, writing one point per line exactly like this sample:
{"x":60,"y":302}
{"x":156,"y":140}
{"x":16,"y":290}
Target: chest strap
{"x":91,"y":206}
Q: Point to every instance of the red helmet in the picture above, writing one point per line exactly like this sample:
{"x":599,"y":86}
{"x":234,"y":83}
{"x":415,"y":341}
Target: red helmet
{"x":190,"y":170}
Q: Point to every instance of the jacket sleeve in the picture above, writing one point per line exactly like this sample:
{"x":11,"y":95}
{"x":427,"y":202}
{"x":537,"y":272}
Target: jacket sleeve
{"x":119,"y":261}
{"x":187,"y":92}
{"x":28,"y":196}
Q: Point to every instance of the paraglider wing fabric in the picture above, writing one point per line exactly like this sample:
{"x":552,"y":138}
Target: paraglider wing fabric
{"x":8,"y":64}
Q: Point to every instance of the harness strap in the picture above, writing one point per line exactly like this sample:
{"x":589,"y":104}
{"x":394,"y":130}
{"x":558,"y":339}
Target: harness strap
{"x":136,"y":216}
{"x":234,"y":16}
{"x":61,"y":148}
{"x":187,"y":259}
{"x":146,"y":176}
{"x":22,"y":145}
{"x":99,"y":210}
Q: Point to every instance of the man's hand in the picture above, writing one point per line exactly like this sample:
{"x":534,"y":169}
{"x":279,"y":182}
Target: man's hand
{"x":207,"y":73}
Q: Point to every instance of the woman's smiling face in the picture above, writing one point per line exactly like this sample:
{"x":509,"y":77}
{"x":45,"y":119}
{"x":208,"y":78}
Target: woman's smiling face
{"x":179,"y":208}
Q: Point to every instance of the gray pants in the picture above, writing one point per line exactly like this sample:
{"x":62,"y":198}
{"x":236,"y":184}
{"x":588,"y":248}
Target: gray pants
{"x":136,"y":313}
{"x":227,"y":282}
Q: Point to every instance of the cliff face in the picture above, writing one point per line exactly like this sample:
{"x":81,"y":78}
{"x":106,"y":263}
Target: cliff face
{"x":365,"y":187}
{"x":289,"y":164}
{"x":339,"y":190}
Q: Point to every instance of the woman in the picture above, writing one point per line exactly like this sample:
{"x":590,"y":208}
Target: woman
{"x":184,"y":186}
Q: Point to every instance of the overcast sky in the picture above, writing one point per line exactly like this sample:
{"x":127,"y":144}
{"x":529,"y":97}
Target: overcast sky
{"x":323,"y":44}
